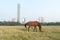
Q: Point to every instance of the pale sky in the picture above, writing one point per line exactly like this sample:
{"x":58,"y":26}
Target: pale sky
{"x":30,"y":10}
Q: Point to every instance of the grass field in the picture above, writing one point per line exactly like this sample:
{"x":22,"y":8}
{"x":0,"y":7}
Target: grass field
{"x":20,"y":33}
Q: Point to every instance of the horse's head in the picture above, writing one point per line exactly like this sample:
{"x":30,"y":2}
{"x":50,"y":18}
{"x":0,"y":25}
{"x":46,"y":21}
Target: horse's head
{"x":25,"y":25}
{"x":39,"y":25}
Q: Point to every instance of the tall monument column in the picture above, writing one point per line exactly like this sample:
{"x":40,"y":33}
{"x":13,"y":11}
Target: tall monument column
{"x":18,"y":13}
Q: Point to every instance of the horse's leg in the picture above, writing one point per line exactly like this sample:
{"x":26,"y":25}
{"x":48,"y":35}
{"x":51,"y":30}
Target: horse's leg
{"x":34,"y":28}
{"x":39,"y":27}
{"x":28,"y":28}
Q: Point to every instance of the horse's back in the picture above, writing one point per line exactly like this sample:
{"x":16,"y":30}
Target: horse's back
{"x":33,"y":23}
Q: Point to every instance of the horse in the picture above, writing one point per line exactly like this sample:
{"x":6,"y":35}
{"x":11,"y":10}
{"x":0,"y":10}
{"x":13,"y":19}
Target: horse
{"x":33,"y":24}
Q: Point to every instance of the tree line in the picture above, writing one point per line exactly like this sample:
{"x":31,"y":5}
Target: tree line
{"x":10,"y":24}
{"x":20,"y":24}
{"x":51,"y":23}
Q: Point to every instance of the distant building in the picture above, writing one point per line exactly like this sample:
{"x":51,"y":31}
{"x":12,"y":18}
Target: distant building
{"x":41,"y":19}
{"x":13,"y":20}
{"x":23,"y":20}
{"x":18,"y":13}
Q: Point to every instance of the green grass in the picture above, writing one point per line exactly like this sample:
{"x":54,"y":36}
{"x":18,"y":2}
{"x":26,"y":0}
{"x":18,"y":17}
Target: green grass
{"x":20,"y":33}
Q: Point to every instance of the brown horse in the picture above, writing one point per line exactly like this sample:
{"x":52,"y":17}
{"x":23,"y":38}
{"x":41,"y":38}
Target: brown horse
{"x":33,"y":24}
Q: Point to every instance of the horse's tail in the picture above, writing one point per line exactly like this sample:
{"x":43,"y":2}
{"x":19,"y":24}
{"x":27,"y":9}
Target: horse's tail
{"x":25,"y":25}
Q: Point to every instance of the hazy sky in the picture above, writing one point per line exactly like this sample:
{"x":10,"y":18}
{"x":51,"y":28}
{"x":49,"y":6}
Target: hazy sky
{"x":30,"y":9}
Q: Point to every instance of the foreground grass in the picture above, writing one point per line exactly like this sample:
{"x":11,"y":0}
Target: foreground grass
{"x":20,"y":33}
